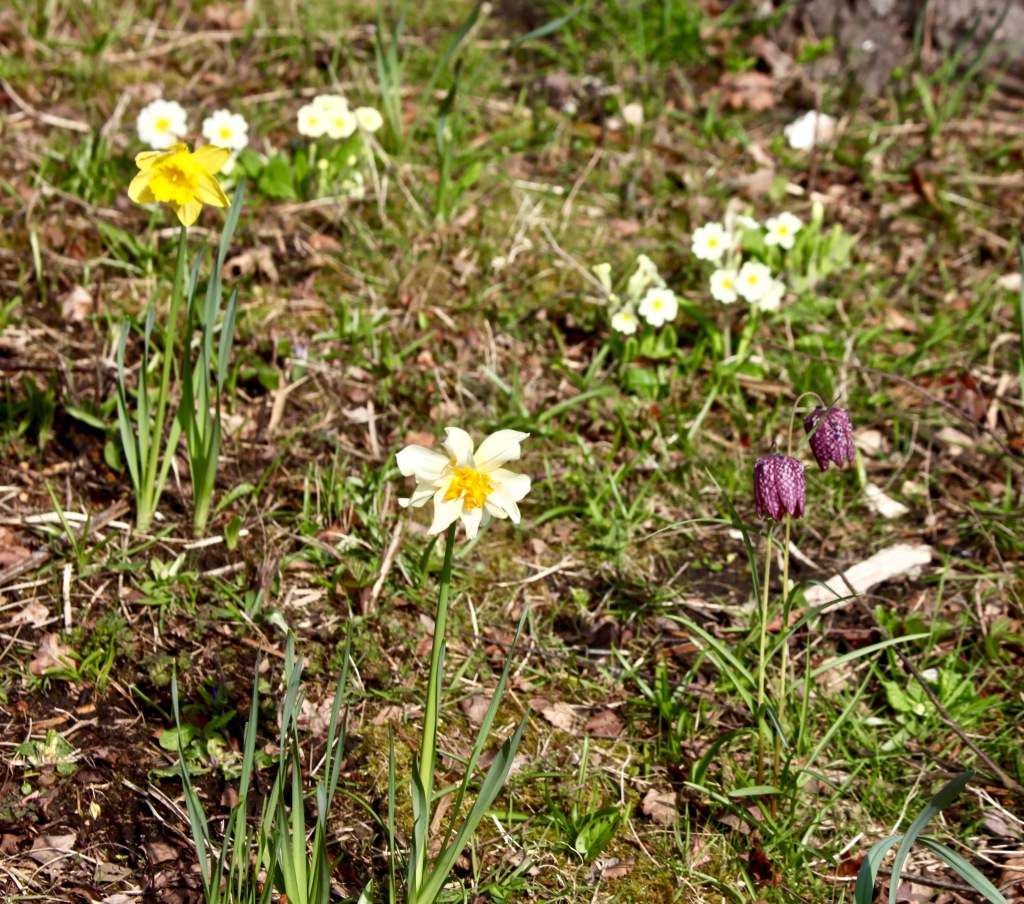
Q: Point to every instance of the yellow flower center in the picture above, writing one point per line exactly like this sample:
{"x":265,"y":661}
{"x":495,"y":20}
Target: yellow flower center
{"x":162,"y":125}
{"x":175,"y":180}
{"x":225,"y":132}
{"x":472,"y":485}
{"x":782,"y":230}
{"x":656,"y":305}
{"x":712,"y":243}
{"x":726,"y":283}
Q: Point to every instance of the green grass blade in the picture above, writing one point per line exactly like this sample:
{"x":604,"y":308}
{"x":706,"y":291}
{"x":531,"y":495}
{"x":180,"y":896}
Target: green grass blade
{"x":931,"y":809}
{"x":864,"y":890}
{"x":965,"y":869}
{"x":865,"y":651}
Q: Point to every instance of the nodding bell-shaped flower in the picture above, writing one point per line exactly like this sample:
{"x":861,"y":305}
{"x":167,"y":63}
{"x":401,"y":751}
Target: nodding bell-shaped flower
{"x":779,"y":487}
{"x":833,"y":440}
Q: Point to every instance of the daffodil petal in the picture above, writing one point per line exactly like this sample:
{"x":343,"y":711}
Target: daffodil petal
{"x":211,"y":158}
{"x":502,"y":504}
{"x":188,"y":212}
{"x":471,"y":522}
{"x":446,"y":513}
{"x":517,"y":485}
{"x":139,"y":190}
{"x":146,"y":160}
{"x":460,"y":445}
{"x":423,"y":493}
{"x":423,"y":462}
{"x":208,"y":191}
{"x":498,"y":448}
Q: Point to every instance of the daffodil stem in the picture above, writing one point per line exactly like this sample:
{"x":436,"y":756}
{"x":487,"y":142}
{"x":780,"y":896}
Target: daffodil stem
{"x":149,"y":493}
{"x":431,"y":713}
{"x":762,"y":666}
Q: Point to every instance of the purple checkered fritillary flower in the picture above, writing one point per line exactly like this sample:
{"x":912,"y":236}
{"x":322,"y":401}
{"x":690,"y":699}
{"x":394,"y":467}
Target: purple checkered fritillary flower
{"x":779,"y":487}
{"x":833,"y":440}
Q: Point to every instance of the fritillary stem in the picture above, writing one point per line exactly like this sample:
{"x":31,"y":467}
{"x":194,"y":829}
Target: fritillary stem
{"x":762,"y":664}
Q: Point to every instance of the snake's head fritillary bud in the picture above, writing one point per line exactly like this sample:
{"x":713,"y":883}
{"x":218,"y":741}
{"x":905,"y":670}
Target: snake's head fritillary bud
{"x":833,"y":440}
{"x":779,"y":487}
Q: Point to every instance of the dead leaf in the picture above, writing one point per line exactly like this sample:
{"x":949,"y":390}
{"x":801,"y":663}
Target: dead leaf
{"x":52,"y":851}
{"x":604,"y":868}
{"x":560,"y":714}
{"x":475,"y":707}
{"x":1010,"y":282}
{"x":51,"y":654}
{"x":882,"y":504}
{"x":11,"y":550}
{"x":660,"y":805}
{"x":897,"y":320}
{"x":77,"y":305}
{"x":604,"y":724}
{"x":415,"y":438}
{"x":227,"y":16}
{"x":896,"y":561}
{"x":316,"y":717}
{"x":161,"y":852}
{"x":749,"y":90}
{"x":35,"y":614}
{"x":255,"y":260}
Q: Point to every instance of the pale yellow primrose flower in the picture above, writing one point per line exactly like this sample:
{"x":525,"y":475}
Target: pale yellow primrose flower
{"x":782,"y":230}
{"x":603,"y":272}
{"x":162,"y":123}
{"x":659,"y":306}
{"x":465,"y":485}
{"x":753,"y":280}
{"x":226,"y":130}
{"x":625,"y":322}
{"x":772,"y":298}
{"x":341,"y":123}
{"x":312,"y":121}
{"x":723,"y":286}
{"x":182,"y":179}
{"x":710,"y":242}
{"x":369,"y":119}
{"x":329,"y":103}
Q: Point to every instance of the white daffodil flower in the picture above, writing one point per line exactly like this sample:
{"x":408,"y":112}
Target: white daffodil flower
{"x":723,"y":286}
{"x":467,"y":485}
{"x":710,"y":242}
{"x":225,"y":129}
{"x":659,"y":306}
{"x":645,"y":276}
{"x":625,"y":322}
{"x":752,"y":281}
{"x":162,"y":123}
{"x":782,"y":230}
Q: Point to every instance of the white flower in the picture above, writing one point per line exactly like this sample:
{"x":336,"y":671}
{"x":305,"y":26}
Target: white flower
{"x":340,"y":123}
{"x":710,"y":242}
{"x":329,"y":103}
{"x":723,"y":286}
{"x":226,"y":130}
{"x":633,"y":114}
{"x":782,"y":230}
{"x":810,"y":129}
{"x":748,"y":223}
{"x":369,"y":119}
{"x":625,"y":322}
{"x":752,"y":281}
{"x":463,"y":484}
{"x":772,"y":297}
{"x":644,"y":277}
{"x":603,"y":272}
{"x":162,"y":123}
{"x":312,"y":121}
{"x":229,"y":165}
{"x":659,"y":306}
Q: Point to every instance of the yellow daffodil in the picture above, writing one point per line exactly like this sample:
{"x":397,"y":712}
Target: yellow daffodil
{"x":181,"y":178}
{"x":467,"y":485}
